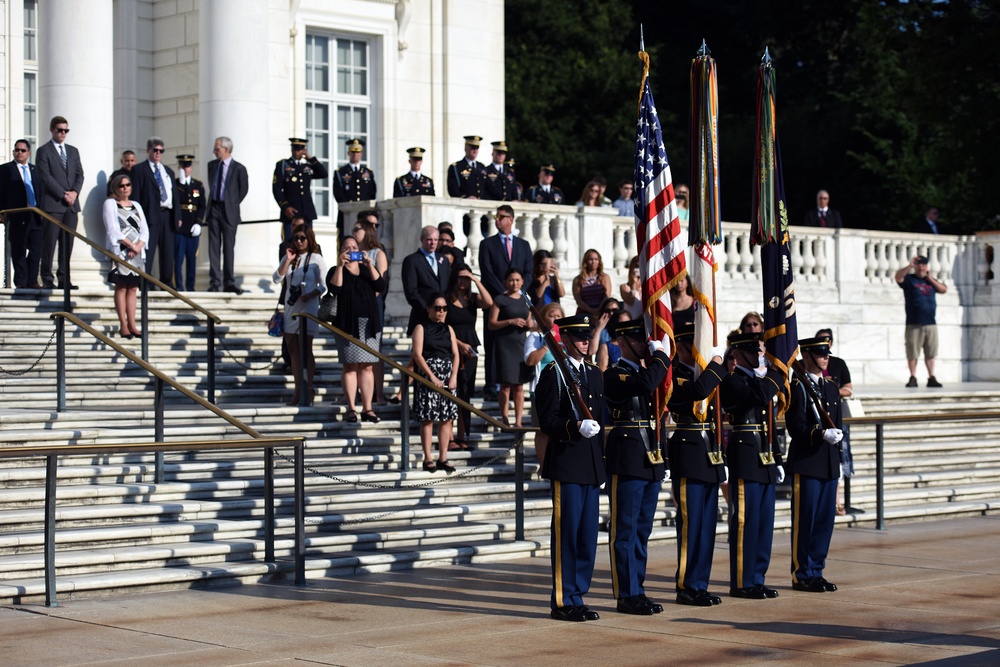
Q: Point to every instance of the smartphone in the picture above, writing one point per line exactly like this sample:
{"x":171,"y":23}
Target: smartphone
{"x":356,"y":256}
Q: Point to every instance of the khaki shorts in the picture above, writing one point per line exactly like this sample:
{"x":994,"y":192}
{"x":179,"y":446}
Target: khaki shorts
{"x":921,"y":336}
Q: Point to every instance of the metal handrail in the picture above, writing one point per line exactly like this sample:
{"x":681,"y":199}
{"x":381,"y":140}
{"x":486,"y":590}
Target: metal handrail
{"x":211,"y":318}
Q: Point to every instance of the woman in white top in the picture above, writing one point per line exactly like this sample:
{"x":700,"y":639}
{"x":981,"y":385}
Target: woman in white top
{"x":303,"y":271}
{"x":127,"y":235}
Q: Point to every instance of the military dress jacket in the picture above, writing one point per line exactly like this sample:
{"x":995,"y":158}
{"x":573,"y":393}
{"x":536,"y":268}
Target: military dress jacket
{"x":628,"y":391}
{"x":539,"y":196}
{"x":747,"y":398}
{"x":349,"y":185}
{"x":408,"y":186}
{"x":499,"y":186}
{"x":808,"y":453}
{"x":192,"y":199}
{"x":465,"y":180}
{"x":692,"y":441}
{"x":570,"y":457}
{"x":291,"y":185}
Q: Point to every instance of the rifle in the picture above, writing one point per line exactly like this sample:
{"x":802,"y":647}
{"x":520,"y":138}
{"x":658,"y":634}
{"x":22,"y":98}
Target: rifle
{"x":800,"y":371}
{"x":562,"y":362}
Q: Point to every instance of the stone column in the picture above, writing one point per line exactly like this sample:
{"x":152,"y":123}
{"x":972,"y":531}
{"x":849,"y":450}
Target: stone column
{"x":76,"y":80}
{"x":233,"y":102}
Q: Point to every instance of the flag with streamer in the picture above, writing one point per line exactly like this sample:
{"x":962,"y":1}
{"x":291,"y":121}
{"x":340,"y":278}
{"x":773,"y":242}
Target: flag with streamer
{"x":769,"y":230}
{"x":658,"y":229}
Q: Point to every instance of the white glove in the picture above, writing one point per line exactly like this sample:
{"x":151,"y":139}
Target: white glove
{"x":833,"y":435}
{"x":655,"y":346}
{"x":196,"y":230}
{"x":666,"y":475}
{"x":781,"y":474}
{"x":719,"y":351}
{"x":726,"y":471}
{"x":589,"y":428}
{"x":840,"y":477}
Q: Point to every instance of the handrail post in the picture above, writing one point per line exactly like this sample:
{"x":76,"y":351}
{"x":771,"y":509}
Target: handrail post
{"x":880,"y":476}
{"x":60,"y":364}
{"x":301,"y":382}
{"x":519,"y":487}
{"x":144,"y":318}
{"x":300,"y":514}
{"x":404,"y":424}
{"x":50,"y":530}
{"x":64,"y":269}
{"x":269,"y":504}
{"x":158,"y":427}
{"x":211,"y":360}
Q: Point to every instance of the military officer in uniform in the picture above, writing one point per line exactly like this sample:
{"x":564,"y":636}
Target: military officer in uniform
{"x":191,"y":196}
{"x":499,"y":180}
{"x":574,"y":463}
{"x":291,"y":185}
{"x":814,"y":464}
{"x":635,"y":461}
{"x":697,"y":467}
{"x":413,"y":183}
{"x":545,"y":192}
{"x":465,"y":177}
{"x":354,"y":181}
{"x":755,"y":467}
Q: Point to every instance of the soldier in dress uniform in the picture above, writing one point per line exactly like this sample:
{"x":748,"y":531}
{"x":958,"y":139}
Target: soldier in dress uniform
{"x":465,"y":177}
{"x":291,"y":185}
{"x":574,"y":462}
{"x":545,"y":192}
{"x":499,"y":180}
{"x":191,"y":198}
{"x":755,"y":467}
{"x":413,"y":183}
{"x":697,"y":468}
{"x":635,"y":461}
{"x":814,"y":463}
{"x":510,"y":163}
{"x":354,"y":181}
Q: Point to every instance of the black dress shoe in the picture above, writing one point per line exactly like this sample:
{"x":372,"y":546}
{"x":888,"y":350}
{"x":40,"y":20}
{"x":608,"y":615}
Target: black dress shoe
{"x":768,"y":592}
{"x":749,"y":593}
{"x":72,"y":287}
{"x":693,"y":598}
{"x":634,"y":605}
{"x":572,"y":614}
{"x":235,"y":290}
{"x":828,"y":586}
{"x":809,"y":586}
{"x":588,"y":613}
{"x":714,"y":599}
{"x":655,"y":606}
{"x":213,"y":289}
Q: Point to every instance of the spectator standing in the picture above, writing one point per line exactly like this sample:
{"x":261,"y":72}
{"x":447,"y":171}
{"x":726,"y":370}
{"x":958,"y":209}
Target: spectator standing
{"x":228,"y":185}
{"x":625,"y":204}
{"x":435,"y":356}
{"x":127,"y":161}
{"x":413,"y":183}
{"x":369,"y":221}
{"x":463,"y":309}
{"x":592,"y":286}
{"x":920,"y":290}
{"x":823,"y":215}
{"x":602,"y":186}
{"x":155,"y":188}
{"x":537,"y":357}
{"x":682,"y":197}
{"x":499,"y":179}
{"x":19,"y":185}
{"x":545,"y":192}
{"x":591,"y":195}
{"x":126,"y":234}
{"x":545,"y":287}
{"x":930,"y":223}
{"x":465,"y":176}
{"x":425,"y":272}
{"x":631,"y":290}
{"x":61,"y":173}
{"x":510,"y":319}
{"x":192,"y":198}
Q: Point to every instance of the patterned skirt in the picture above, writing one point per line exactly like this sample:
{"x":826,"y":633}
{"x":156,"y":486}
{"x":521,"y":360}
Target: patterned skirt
{"x":428,"y":405}
{"x":352,"y":354}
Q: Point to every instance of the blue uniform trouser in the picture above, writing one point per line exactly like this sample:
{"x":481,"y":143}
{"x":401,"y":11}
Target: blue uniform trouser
{"x":751,"y":530}
{"x":633,"y":503}
{"x":814,"y":508}
{"x":575,"y":515}
{"x":185,"y":250}
{"x":697,"y":515}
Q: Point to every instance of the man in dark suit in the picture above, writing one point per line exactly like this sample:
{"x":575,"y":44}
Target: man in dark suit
{"x":61,"y":173}
{"x":154,"y":186}
{"x":499,"y":180}
{"x":930,"y":223}
{"x":497,"y":254}
{"x":465,"y":177}
{"x":227,"y":183}
{"x":191,"y":202}
{"x":424,"y":273}
{"x":823,"y":215}
{"x":127,"y":161}
{"x":18,"y":189}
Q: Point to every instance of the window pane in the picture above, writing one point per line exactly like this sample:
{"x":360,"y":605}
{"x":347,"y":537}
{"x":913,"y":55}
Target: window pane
{"x":343,"y":80}
{"x":318,"y":134}
{"x":30,"y":29}
{"x":343,"y":52}
{"x":31,"y":107}
{"x":360,"y":54}
{"x":317,"y":65}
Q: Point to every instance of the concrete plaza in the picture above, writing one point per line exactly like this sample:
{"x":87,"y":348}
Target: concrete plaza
{"x":919,"y":593}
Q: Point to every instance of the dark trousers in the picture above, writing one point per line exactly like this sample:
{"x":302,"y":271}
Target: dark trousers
{"x":466,"y":389}
{"x":814,"y":509}
{"x":697,"y":515}
{"x":221,"y":243}
{"x":161,"y":237}
{"x":751,"y":531}
{"x":633,"y":503}
{"x":575,"y":516}
{"x":51,"y":242}
{"x":26,"y":248}
{"x":185,"y":250}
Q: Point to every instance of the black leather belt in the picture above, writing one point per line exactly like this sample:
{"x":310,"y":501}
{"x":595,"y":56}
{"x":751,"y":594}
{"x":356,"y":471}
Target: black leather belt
{"x":634,"y":423}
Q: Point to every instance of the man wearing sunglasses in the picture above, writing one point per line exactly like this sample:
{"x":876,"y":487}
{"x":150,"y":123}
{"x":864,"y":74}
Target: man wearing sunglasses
{"x":154,"y":186}
{"x":61,"y":174}
{"x":19,"y":189}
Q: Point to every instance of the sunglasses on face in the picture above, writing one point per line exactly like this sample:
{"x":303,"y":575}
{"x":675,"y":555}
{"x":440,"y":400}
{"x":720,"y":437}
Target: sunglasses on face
{"x":122,"y":186}
{"x":157,"y":150}
{"x":20,"y":150}
{"x":299,"y":238}
{"x":357,"y":229}
{"x":440,"y":309}
{"x":62,"y":130}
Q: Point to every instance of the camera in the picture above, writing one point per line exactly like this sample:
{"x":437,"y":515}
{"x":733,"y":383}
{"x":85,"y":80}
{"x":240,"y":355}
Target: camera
{"x":356,"y":256}
{"x":294,"y":292}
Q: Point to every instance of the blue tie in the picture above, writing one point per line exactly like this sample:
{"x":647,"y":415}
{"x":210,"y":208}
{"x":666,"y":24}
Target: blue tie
{"x":159,"y":184}
{"x":28,"y":185}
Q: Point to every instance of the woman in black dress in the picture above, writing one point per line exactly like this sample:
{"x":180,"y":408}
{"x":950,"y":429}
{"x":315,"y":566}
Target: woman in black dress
{"x":463,"y":306}
{"x":435,"y":355}
{"x":511,"y":319}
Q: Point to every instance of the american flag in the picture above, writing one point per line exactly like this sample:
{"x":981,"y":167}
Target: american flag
{"x":657,"y":228}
